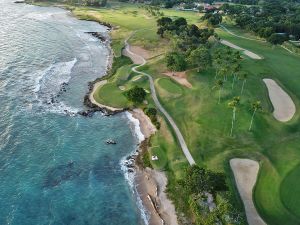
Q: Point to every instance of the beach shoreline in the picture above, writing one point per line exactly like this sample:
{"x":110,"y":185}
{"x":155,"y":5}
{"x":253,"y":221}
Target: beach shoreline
{"x":148,"y":185}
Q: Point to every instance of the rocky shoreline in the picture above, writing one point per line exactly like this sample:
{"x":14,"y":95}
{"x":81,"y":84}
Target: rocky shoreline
{"x":149,"y":184}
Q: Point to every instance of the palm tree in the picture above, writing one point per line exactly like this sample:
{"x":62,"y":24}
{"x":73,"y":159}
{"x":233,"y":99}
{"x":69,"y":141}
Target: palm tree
{"x":254,"y":106}
{"x":219,"y":85}
{"x":236,"y":69}
{"x":233,"y":104}
{"x":243,"y":76}
{"x":217,"y":61}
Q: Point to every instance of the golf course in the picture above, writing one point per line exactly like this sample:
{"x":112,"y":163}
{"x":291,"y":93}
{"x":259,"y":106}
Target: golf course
{"x":202,"y":112}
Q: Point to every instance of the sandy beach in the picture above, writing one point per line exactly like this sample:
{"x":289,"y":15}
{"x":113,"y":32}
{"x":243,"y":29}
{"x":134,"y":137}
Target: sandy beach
{"x":151,"y":184}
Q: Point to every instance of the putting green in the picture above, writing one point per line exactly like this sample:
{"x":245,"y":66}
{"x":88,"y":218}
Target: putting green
{"x":111,"y":95}
{"x":290,"y":191}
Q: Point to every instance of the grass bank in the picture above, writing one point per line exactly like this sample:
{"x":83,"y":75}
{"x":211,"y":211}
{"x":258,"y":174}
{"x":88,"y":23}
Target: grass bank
{"x":204,"y":123}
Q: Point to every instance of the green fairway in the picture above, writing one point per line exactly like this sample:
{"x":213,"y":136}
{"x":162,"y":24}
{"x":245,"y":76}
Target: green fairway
{"x":290,"y":196}
{"x":170,"y":86}
{"x":127,"y":18}
{"x":278,"y":63}
{"x":204,"y":123}
{"x":111,"y":95}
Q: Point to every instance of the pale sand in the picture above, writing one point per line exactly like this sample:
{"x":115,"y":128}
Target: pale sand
{"x":122,"y":88}
{"x":245,"y":51}
{"x":138,"y":51}
{"x":284,"y":107}
{"x":141,"y":51}
{"x":146,"y":126}
{"x":137,"y":78}
{"x":151,"y":188}
{"x":179,"y":77}
{"x":245,"y":173}
{"x":92,"y":99}
{"x":151,"y":184}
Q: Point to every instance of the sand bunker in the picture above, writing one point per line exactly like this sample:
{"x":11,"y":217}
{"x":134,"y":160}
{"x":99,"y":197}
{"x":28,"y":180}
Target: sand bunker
{"x":137,"y":78}
{"x":179,"y":77}
{"x":245,"y":51}
{"x":284,"y":107}
{"x":245,"y":173}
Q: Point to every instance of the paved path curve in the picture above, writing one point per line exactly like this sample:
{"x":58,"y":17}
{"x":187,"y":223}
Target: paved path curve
{"x":159,"y":106}
{"x":253,"y":39}
{"x":230,"y":32}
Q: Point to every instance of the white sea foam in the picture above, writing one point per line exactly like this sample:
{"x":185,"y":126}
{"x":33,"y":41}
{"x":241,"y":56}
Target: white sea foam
{"x":130,"y":176}
{"x":62,"y":108}
{"x":135,"y":125}
{"x":43,"y":16}
{"x":54,"y":75}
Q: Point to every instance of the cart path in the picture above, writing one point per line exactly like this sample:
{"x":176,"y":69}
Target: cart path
{"x":179,"y":136}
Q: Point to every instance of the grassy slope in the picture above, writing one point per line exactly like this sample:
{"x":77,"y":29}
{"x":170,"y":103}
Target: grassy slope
{"x":282,"y":150}
{"x":206,"y":124}
{"x":127,"y":18}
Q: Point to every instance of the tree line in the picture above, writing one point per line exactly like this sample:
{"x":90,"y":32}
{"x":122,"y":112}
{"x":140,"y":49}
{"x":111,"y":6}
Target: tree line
{"x":275,"y":20}
{"x":189,"y":43}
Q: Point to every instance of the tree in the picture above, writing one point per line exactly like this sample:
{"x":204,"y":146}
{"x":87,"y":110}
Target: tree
{"x":219,"y":85}
{"x":103,"y":3}
{"x":277,"y":39}
{"x":236,"y":69}
{"x":233,"y":104}
{"x":215,"y":19}
{"x":136,"y":94}
{"x":180,"y":22}
{"x":163,"y":24}
{"x":217,"y":61}
{"x":212,"y":18}
{"x":243,"y":76}
{"x":200,"y":57}
{"x":254,"y":106}
{"x":199,"y":180}
{"x":175,"y":61}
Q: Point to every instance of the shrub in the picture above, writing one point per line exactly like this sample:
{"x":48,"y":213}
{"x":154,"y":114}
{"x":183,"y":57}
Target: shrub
{"x":136,"y":94}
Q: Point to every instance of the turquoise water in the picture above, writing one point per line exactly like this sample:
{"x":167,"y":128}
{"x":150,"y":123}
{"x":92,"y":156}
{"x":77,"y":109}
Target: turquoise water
{"x":55,"y":167}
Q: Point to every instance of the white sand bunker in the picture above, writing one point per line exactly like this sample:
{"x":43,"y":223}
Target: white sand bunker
{"x":284,"y":107}
{"x":245,"y":173}
{"x":245,"y":51}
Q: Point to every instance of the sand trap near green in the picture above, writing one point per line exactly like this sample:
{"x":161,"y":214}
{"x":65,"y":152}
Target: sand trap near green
{"x":284,"y":107}
{"x":245,"y":173}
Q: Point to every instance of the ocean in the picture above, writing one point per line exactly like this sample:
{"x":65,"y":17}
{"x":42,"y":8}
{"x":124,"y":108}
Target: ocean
{"x":55,"y":167}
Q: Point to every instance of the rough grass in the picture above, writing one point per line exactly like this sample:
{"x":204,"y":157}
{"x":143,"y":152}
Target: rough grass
{"x":111,"y":95}
{"x":290,"y":196}
{"x":206,"y":124}
{"x":170,"y":86}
